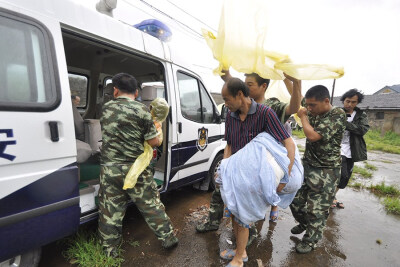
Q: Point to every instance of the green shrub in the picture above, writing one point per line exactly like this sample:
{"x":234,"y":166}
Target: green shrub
{"x":84,"y":249}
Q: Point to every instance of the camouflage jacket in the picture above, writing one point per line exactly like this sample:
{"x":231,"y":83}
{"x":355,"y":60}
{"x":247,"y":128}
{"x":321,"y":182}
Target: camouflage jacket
{"x":125,"y":125}
{"x":279,"y":108}
{"x":325,"y":153}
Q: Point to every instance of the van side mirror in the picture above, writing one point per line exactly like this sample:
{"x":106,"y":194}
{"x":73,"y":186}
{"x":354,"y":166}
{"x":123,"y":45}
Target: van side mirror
{"x":224,"y":111}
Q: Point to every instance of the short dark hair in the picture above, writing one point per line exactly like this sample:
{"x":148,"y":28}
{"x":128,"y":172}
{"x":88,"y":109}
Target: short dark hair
{"x":351,"y":93}
{"x":125,"y":82}
{"x":260,"y":80}
{"x":319,"y":92}
{"x":73,"y":97}
{"x":235,"y":85}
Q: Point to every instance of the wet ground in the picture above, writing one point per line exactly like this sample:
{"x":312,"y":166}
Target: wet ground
{"x":362,"y":234}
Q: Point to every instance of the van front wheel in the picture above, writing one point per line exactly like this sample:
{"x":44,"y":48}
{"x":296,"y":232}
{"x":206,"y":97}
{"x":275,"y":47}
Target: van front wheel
{"x":213,"y":170}
{"x":28,"y":259}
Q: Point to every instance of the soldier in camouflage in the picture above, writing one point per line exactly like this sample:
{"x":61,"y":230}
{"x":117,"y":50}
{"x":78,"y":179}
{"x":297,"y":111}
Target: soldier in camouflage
{"x":323,"y":126}
{"x":257,"y":88}
{"x":126,"y":124}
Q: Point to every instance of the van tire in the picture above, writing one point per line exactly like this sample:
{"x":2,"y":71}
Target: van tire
{"x":30,"y":258}
{"x":213,"y":169}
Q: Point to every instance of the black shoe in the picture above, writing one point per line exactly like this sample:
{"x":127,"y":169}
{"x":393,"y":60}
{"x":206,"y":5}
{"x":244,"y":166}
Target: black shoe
{"x":170,"y":242}
{"x":251,"y":239}
{"x":298,"y":229}
{"x":111,"y":252}
{"x":206,"y":227}
{"x":304,"y":247}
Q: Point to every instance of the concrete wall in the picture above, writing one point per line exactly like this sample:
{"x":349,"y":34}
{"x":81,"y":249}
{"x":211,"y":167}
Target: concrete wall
{"x":390,"y":122}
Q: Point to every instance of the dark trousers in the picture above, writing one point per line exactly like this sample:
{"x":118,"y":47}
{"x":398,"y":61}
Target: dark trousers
{"x":347,"y":170}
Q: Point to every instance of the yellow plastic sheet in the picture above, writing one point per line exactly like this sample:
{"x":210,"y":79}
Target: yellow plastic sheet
{"x":138,"y":166}
{"x":241,"y":43}
{"x":159,"y":110}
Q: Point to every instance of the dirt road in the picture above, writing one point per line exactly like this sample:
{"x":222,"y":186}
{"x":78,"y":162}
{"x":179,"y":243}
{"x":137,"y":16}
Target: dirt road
{"x":362,"y":234}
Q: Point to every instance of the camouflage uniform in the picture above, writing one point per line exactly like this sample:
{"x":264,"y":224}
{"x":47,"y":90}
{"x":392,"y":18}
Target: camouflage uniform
{"x":216,"y":204}
{"x":322,"y":163}
{"x":126,"y":124}
{"x":279,"y":108}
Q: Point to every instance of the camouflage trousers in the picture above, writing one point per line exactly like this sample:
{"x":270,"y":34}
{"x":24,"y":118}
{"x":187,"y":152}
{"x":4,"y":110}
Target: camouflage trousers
{"x":114,"y":201}
{"x":216,"y":211}
{"x":311,"y":205}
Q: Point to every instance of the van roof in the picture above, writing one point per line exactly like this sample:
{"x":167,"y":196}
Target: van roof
{"x":81,"y":19}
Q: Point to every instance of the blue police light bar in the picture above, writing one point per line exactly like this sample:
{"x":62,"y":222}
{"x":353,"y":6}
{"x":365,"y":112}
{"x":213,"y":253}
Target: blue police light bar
{"x":156,"y":28}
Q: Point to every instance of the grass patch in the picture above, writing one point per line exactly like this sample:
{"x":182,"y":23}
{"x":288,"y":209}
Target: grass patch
{"x":387,"y":161}
{"x":370,"y":166}
{"x":362,"y":171}
{"x":84,"y":249}
{"x":301,"y":148}
{"x":391,"y":193}
{"x":390,"y":142}
{"x":356,"y":185}
{"x":385,"y":189}
{"x":298,"y":133}
{"x":133,"y":243}
{"x":392,"y":205}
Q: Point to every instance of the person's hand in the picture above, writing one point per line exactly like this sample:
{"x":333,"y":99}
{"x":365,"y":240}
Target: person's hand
{"x":290,"y":78}
{"x":226,"y":75}
{"x":280,"y":187}
{"x":302,"y":112}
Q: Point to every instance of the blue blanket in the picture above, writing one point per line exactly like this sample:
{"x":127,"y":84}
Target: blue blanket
{"x":249,"y":183}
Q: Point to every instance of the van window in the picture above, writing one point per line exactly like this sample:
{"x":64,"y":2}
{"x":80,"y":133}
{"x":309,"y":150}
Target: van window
{"x":25,"y":69}
{"x":78,"y":85}
{"x":207,"y":106}
{"x":189,"y":96}
{"x":196,"y":104}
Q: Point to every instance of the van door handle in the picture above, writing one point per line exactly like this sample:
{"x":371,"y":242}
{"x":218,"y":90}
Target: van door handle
{"x":179,"y":127}
{"x":54,"y":131}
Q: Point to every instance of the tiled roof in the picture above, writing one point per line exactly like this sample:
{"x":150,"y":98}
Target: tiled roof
{"x":380,"y":101}
{"x":395,"y":88}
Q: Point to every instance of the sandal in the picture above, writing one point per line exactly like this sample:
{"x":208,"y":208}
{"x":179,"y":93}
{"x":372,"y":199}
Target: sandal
{"x":230,"y":265}
{"x":334,"y":204}
{"x":230,"y":253}
{"x":273,"y":215}
{"x":339,"y":205}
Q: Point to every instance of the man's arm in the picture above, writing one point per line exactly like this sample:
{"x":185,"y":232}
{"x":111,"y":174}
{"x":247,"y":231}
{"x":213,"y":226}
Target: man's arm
{"x":291,"y":148}
{"x":226,"y":75}
{"x":227,"y":151}
{"x":360,"y":127}
{"x":154,"y":142}
{"x":294,"y":88}
{"x":311,"y":135}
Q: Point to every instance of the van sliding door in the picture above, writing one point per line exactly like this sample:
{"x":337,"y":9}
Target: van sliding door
{"x":39,"y":198}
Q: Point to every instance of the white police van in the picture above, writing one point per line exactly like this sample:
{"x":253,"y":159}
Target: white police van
{"x":48,"y":50}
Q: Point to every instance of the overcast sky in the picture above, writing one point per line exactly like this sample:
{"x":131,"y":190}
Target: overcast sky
{"x":363,"y":36}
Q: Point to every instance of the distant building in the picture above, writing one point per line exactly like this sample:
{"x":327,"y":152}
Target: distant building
{"x":383,"y":109}
{"x":389,"y":90}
